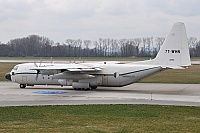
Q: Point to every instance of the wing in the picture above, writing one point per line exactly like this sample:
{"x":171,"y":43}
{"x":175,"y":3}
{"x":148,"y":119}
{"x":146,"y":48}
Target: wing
{"x":69,"y":67}
{"x":72,"y":67}
{"x":68,"y":71}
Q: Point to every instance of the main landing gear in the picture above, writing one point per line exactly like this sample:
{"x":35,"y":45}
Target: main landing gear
{"x":93,"y":87}
{"x":87,"y":89}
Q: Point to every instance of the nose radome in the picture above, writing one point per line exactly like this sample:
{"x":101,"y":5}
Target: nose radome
{"x":8,"y":76}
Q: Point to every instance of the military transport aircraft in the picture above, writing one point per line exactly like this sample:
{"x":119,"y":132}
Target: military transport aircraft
{"x":174,"y":54}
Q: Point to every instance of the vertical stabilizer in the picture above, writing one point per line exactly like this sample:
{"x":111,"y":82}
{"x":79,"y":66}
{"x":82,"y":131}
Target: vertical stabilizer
{"x":174,"y":51}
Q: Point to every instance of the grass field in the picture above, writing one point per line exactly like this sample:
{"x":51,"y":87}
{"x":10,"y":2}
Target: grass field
{"x":106,"y":118}
{"x":190,"y":75}
{"x":100,"y":119}
{"x":5,"y":68}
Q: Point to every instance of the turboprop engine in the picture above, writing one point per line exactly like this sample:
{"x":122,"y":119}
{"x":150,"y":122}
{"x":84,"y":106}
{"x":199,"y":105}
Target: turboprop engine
{"x":75,"y":85}
{"x":47,"y":72}
{"x":75,"y":76}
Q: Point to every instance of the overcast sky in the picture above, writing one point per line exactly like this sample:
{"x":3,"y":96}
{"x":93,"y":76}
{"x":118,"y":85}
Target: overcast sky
{"x":91,"y":19}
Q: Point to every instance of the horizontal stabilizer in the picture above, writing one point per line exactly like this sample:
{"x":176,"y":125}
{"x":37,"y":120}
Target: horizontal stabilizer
{"x":174,"y":67}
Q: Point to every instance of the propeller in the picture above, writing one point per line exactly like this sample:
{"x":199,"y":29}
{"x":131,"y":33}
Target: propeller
{"x":38,"y":71}
{"x":40,"y":62}
{"x":35,"y":64}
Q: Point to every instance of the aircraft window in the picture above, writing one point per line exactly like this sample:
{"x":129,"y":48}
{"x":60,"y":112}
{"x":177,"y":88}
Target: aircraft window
{"x":15,"y":68}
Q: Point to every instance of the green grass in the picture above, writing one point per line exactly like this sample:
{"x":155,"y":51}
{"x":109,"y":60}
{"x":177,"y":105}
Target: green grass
{"x":5,"y":68}
{"x":195,"y":58}
{"x":100,"y":118}
{"x":106,"y":118}
{"x":191,"y":75}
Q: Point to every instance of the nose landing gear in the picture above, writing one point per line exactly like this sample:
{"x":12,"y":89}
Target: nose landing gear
{"x":22,"y":86}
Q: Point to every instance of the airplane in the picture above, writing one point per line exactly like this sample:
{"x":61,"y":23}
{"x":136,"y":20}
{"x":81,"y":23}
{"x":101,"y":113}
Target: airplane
{"x":174,"y":54}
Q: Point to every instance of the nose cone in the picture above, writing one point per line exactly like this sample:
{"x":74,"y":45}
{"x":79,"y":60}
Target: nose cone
{"x":8,"y":76}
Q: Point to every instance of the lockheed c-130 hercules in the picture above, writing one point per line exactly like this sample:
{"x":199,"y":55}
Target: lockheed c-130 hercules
{"x":174,"y":54}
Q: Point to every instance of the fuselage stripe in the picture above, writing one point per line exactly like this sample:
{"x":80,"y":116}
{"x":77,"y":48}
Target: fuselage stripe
{"x":24,"y":73}
{"x":137,"y":71}
{"x":128,"y":72}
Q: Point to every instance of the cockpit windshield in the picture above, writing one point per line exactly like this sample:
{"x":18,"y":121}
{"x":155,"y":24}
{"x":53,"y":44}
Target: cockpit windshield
{"x":15,"y":68}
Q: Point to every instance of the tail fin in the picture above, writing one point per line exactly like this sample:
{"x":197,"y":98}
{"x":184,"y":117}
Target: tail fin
{"x":174,"y":51}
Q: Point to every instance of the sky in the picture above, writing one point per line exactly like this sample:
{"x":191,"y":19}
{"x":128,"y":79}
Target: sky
{"x":93,"y":19}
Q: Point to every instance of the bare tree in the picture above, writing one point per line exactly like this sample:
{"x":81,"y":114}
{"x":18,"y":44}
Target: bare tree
{"x":87,"y":44}
{"x":35,"y":45}
{"x":159,"y":41}
{"x":192,"y":42}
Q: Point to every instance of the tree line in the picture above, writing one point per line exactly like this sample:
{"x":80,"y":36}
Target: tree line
{"x":38,"y":46}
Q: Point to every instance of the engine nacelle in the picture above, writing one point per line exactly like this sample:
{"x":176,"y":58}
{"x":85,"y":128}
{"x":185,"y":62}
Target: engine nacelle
{"x":80,"y":85}
{"x":47,"y":72}
{"x":76,"y":76}
{"x":65,"y":82}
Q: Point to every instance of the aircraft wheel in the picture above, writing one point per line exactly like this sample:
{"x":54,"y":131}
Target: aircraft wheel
{"x":87,"y":89}
{"x":22,"y":86}
{"x":84,"y":89}
{"x":93,"y":87}
{"x":77,"y":88}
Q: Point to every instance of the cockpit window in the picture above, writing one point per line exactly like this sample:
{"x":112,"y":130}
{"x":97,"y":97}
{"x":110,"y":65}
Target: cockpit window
{"x":15,"y":68}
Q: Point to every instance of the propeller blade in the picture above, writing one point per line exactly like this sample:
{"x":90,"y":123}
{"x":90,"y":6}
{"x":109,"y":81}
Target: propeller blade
{"x":38,"y":72}
{"x":35,"y":64}
{"x":40,"y":62}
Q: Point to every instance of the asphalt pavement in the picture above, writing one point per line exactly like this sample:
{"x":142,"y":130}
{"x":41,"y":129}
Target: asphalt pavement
{"x":138,"y":93}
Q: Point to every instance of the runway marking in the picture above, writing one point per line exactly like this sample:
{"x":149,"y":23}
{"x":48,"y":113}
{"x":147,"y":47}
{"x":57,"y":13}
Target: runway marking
{"x":50,"y":92}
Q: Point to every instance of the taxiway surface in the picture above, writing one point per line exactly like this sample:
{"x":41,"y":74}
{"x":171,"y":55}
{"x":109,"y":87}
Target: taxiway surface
{"x":138,"y":93}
